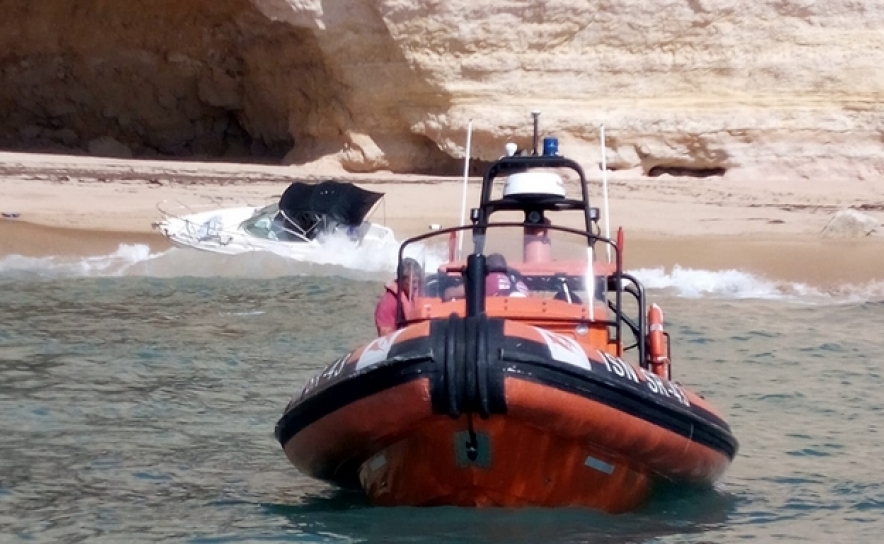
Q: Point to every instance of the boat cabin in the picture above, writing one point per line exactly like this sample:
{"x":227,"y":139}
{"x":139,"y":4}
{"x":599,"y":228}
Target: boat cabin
{"x":535,"y":254}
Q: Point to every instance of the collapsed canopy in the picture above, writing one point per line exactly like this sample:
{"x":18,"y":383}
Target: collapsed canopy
{"x":327,"y":201}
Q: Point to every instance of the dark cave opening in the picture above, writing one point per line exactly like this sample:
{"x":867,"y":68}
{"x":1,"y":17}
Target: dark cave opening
{"x":159,"y":79}
{"x":686,"y":171}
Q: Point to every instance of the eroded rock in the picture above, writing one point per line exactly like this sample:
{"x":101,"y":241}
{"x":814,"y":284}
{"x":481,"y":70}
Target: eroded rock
{"x":758,"y":89}
{"x":850,"y":224}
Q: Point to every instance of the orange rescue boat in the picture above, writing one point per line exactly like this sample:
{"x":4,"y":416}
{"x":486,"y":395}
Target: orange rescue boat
{"x":561,"y":396}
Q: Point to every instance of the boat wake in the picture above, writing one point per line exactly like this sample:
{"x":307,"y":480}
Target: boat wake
{"x":339,"y":258}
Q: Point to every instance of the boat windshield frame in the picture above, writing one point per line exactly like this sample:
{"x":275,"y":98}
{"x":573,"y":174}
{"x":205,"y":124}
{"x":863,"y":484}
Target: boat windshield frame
{"x":408,"y":249}
{"x":610,"y":278}
{"x":275,"y":226}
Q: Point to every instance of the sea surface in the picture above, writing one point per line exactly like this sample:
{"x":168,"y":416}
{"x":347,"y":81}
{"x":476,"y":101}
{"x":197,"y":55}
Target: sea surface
{"x":138,"y":396}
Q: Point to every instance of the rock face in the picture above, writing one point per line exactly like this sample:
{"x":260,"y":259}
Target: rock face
{"x":703,"y":87}
{"x":850,"y":224}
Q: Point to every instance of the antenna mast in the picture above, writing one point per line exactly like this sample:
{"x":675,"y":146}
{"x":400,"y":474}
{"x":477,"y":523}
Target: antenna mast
{"x":535,"y":114}
{"x":605,"y":189}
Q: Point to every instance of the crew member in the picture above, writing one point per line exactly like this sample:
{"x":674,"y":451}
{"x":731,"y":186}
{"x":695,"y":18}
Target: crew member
{"x":401,"y":290}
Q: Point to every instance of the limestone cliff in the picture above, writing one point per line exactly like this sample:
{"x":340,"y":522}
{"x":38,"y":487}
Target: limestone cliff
{"x":710,"y":87}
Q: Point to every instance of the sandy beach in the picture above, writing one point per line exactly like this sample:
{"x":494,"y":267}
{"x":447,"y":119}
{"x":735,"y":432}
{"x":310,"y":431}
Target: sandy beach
{"x":67,"y":205}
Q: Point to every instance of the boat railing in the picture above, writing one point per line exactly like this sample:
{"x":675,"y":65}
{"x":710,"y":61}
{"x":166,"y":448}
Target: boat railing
{"x":196,"y":223}
{"x":638,"y":326}
{"x":188,"y":231}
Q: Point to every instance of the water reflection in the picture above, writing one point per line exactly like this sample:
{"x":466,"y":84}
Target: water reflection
{"x":345,"y":517}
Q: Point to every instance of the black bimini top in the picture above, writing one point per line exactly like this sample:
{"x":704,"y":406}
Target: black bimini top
{"x":336,"y":201}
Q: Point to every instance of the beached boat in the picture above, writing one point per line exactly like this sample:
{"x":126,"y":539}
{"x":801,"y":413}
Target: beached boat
{"x":563,"y":397}
{"x":305,"y":217}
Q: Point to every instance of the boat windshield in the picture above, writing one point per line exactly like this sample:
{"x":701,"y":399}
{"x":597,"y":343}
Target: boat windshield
{"x":551,"y":263}
{"x":269,"y":223}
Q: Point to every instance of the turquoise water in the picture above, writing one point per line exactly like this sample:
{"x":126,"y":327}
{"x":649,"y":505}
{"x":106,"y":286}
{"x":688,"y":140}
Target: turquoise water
{"x":141,"y":408}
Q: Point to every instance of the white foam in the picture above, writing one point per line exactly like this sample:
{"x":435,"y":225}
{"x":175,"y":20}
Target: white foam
{"x":338,"y":249}
{"x":337,"y":257}
{"x":114,"y":264}
{"x":340,"y":258}
{"x":693,"y":283}
{"x":737,"y":284}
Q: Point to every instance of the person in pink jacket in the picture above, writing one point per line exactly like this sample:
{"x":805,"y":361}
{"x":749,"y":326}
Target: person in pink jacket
{"x":499,"y":281}
{"x":404,"y":290}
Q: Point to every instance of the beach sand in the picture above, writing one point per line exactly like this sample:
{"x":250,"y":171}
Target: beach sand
{"x":66,"y":205}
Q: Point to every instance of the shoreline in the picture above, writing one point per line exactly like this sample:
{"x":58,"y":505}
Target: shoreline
{"x":799,"y":259}
{"x":70,"y":205}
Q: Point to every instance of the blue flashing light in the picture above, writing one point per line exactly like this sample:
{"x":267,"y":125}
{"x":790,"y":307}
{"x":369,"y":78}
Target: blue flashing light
{"x":550,"y":147}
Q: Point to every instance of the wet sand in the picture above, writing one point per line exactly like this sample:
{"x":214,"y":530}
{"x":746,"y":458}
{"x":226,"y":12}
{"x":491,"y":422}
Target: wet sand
{"x":821,"y":263}
{"x":32,"y":240}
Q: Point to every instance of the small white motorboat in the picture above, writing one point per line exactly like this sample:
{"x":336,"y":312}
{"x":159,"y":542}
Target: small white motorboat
{"x":305,"y":219}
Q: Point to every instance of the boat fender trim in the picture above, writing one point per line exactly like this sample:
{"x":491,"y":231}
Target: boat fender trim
{"x":464,"y":383}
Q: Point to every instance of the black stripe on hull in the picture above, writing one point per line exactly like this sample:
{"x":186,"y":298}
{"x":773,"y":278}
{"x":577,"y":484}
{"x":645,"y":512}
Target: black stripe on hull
{"x":686,"y":423}
{"x":396,"y":371}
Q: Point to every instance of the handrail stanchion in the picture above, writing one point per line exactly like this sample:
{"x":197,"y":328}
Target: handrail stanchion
{"x":466,"y":176}
{"x":605,"y":188}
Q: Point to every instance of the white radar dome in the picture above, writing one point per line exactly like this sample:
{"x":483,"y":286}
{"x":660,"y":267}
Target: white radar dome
{"x":534,"y":184}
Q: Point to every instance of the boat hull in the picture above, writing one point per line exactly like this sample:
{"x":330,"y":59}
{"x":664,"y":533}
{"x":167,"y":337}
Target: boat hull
{"x":494,"y":413}
{"x":501,"y":462}
{"x":221,"y":232}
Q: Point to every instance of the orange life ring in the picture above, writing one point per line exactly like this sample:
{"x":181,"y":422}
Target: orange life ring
{"x":657,"y":353}
{"x":656,"y":340}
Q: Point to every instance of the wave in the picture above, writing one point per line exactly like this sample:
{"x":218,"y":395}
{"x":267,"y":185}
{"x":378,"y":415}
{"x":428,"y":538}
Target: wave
{"x":738,"y":284}
{"x":343,"y":260}
{"x":139,"y":260}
